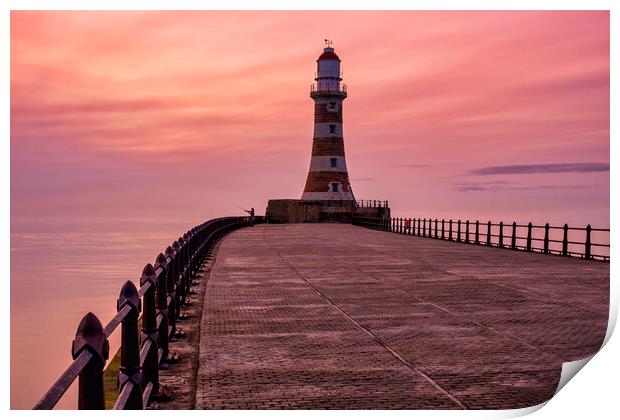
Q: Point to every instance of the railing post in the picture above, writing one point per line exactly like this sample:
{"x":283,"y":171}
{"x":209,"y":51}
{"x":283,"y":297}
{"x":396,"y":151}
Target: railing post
{"x":435,"y":228}
{"x":546,"y":241}
{"x":424,"y":228}
{"x":513,"y":240}
{"x":565,"y":241}
{"x":430,"y":227}
{"x":489,"y":233}
{"x":162,"y":308}
{"x":150,"y":365}
{"x":194,"y":258}
{"x":477,"y":239}
{"x":588,"y":244}
{"x":188,"y":263}
{"x":129,"y":372}
{"x":450,"y":234}
{"x":171,"y":289}
{"x":501,"y":235}
{"x":179,"y":259}
{"x":91,"y":337}
{"x":443,"y":230}
{"x":179,"y":287}
{"x":458,"y":231}
{"x":528,"y":245}
{"x":466,"y":231}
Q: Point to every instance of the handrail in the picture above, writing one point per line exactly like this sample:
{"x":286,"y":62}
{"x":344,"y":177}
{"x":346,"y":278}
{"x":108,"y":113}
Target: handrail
{"x":497,"y":235}
{"x":372,"y":203}
{"x":341,"y":88}
{"x":163,"y":289}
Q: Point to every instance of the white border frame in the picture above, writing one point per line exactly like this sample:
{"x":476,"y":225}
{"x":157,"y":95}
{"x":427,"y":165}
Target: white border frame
{"x":592,"y":394}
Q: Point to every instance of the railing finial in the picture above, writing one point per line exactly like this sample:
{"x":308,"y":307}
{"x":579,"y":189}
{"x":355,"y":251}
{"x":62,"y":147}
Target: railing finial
{"x":91,"y":337}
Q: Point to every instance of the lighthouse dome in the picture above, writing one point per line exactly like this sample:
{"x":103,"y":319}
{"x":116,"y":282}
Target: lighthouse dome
{"x":328,"y":54}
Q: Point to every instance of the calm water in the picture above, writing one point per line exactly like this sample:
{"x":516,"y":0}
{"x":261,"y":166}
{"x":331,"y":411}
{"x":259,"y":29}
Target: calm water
{"x":59,"y":271}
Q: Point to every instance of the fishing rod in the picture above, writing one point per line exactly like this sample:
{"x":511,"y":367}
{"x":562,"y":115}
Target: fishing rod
{"x":239,"y":206}
{"x":247,"y":211}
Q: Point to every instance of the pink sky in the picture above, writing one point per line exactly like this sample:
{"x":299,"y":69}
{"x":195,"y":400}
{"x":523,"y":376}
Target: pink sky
{"x":172,"y":117}
{"x":152,"y":114}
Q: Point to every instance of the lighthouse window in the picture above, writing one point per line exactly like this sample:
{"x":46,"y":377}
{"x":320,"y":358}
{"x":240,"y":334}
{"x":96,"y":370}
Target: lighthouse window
{"x":334,"y":162}
{"x":332,"y":129}
{"x":332,"y":107}
{"x":334,"y":187}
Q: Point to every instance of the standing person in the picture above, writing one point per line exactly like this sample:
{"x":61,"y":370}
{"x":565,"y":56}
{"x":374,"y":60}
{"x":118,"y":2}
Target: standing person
{"x":251,"y":218}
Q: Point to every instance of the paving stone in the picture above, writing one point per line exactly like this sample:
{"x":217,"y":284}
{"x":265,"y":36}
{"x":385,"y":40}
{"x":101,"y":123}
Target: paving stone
{"x":334,"y":316}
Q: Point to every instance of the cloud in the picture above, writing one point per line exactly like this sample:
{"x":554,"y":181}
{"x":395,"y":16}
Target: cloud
{"x":542,"y":168}
{"x":181,"y":98}
{"x":412,"y":165}
{"x":504,"y":186}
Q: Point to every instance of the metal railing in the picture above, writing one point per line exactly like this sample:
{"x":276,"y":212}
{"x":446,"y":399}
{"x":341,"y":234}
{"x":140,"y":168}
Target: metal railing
{"x":164,"y":288}
{"x":547,"y":239}
{"x":341,"y":89}
{"x":372,"y":203}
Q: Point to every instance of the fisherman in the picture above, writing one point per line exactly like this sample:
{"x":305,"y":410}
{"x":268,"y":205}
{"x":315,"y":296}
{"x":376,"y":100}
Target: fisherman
{"x":251,"y":218}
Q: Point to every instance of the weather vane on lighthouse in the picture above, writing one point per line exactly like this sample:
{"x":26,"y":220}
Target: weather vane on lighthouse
{"x":328,"y":43}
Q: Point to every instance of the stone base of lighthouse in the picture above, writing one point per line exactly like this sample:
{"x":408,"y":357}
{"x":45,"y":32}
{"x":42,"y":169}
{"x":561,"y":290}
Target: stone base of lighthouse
{"x":319,"y":211}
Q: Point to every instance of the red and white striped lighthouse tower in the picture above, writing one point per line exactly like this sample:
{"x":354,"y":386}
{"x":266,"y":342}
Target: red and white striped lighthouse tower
{"x":328,"y":178}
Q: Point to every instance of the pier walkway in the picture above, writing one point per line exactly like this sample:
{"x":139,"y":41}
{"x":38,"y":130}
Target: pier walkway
{"x":343,"y":317}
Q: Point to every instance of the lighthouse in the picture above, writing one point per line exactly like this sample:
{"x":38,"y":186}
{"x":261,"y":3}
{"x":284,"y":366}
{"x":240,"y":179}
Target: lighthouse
{"x":328,"y":179}
{"x":327,"y":196}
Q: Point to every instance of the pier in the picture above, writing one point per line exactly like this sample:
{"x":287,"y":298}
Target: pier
{"x":347,"y":317}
